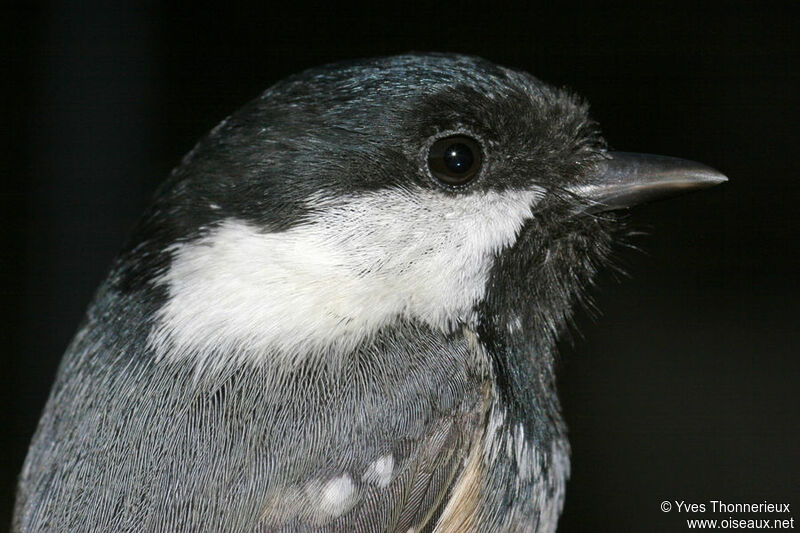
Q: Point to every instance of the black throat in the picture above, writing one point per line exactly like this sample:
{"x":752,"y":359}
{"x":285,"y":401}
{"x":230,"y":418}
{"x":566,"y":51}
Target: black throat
{"x":532,"y":290}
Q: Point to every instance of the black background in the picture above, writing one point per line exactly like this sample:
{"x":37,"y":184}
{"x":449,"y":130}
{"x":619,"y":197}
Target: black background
{"x":684,"y":387}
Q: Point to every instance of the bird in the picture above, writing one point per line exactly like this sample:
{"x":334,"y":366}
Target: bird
{"x":340,"y":313}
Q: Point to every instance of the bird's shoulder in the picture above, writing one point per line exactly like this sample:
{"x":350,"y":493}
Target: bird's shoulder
{"x":377,"y":438}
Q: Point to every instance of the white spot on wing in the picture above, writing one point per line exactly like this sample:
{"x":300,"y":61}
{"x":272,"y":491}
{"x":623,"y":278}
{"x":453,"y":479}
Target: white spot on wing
{"x":338,"y":496}
{"x":380,"y":472}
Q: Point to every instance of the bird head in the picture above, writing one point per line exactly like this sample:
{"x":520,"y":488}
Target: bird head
{"x":437,"y":190}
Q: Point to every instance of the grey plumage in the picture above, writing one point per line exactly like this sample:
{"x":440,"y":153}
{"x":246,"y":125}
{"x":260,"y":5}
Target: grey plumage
{"x":420,"y":394}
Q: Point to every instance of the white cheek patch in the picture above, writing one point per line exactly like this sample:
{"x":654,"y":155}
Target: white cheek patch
{"x":358,"y":264}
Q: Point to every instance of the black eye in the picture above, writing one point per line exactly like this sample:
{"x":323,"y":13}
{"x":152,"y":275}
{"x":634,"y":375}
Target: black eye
{"x":455,"y":160}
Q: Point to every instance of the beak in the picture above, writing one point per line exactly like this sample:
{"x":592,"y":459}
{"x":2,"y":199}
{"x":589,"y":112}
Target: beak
{"x":626,"y":179}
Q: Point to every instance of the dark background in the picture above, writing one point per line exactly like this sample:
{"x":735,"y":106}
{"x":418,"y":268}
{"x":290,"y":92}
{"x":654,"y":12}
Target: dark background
{"x":685,"y":387}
